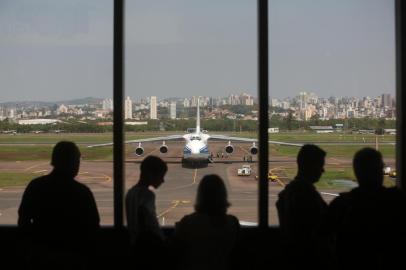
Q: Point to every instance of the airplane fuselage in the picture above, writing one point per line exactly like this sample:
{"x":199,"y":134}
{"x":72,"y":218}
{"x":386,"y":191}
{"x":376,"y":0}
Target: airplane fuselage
{"x":196,"y":149}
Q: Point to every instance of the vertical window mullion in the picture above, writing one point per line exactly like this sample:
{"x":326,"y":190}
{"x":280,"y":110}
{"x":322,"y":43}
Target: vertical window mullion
{"x":400,"y":9}
{"x":118,"y":94}
{"x":263,"y":111}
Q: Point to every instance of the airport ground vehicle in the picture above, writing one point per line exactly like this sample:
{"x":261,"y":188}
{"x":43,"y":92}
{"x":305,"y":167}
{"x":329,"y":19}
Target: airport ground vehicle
{"x":271,"y":177}
{"x":245,"y":170}
{"x":387,"y":170}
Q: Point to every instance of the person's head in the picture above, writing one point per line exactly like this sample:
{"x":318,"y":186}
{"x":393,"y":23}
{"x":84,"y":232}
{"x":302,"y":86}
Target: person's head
{"x":66,"y":158}
{"x":153,"y":170}
{"x":310,"y":162}
{"x":212,"y":196}
{"x":368,"y":168}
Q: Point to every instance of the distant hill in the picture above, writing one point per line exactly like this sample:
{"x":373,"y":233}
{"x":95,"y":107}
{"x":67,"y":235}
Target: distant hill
{"x":79,"y":101}
{"x":86,"y":100}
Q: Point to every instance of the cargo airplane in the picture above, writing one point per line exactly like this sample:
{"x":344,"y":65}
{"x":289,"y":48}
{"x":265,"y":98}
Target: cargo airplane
{"x":196,"y":143}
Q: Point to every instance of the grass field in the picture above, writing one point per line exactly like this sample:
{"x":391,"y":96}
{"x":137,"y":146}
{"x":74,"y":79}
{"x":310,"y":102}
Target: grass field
{"x":16,"y":178}
{"x":314,"y":137}
{"x":25,"y":150}
{"x":343,"y":151}
{"x":331,"y":175}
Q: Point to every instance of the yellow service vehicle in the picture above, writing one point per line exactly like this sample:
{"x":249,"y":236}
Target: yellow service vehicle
{"x":271,"y":177}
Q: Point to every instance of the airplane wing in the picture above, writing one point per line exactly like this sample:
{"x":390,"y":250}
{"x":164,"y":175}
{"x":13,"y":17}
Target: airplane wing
{"x":240,"y":139}
{"x":165,"y":138}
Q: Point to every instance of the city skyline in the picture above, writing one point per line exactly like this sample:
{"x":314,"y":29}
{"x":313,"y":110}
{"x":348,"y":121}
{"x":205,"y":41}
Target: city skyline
{"x":108,"y":101}
{"x":304,"y":106}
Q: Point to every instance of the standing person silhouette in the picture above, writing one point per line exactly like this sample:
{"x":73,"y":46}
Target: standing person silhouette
{"x":301,"y":208}
{"x":206,"y":238}
{"x":147,"y":238}
{"x":368,"y":222}
{"x":59,"y":212}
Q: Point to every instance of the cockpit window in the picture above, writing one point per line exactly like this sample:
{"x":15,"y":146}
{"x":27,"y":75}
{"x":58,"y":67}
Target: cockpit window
{"x":195,"y":138}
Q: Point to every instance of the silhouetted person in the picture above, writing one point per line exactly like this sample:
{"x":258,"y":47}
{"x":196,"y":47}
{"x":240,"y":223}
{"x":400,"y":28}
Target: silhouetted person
{"x":301,"y":208}
{"x":368,"y":222}
{"x":58,"y":212}
{"x":206,"y":238}
{"x":146,"y":236}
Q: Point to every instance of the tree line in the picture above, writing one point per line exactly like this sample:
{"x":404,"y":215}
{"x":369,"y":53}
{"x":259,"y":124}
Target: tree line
{"x":283,"y":123}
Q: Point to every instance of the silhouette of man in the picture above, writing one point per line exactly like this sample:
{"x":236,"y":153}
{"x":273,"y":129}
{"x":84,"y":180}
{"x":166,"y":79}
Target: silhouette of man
{"x":300,"y":206}
{"x":58,"y":211}
{"x":140,"y":201}
{"x":368,"y":222}
{"x":206,"y":238}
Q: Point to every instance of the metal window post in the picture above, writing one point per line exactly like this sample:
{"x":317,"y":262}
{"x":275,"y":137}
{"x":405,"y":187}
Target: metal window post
{"x":400,"y":11}
{"x":118,"y":94}
{"x":263,"y":111}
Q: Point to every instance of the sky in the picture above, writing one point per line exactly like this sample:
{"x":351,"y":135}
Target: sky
{"x":58,"y":50}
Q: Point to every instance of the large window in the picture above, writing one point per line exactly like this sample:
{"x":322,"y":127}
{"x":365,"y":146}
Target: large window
{"x":55,"y":70}
{"x":332,"y":83}
{"x":178,"y":54}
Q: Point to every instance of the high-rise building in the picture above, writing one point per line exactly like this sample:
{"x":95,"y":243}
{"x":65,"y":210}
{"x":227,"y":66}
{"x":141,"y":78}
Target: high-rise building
{"x":186,"y":103}
{"x":128,"y":108}
{"x":172,"y":110}
{"x":152,"y":108}
{"x":386,"y":100}
{"x":62,"y":109}
{"x":303,"y":98}
{"x":193,"y":102}
{"x":108,"y":104}
{"x":11,"y":113}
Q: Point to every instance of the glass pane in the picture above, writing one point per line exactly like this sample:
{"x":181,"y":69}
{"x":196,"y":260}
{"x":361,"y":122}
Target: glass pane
{"x":332,"y":83}
{"x":55,"y":70}
{"x":177,"y":51}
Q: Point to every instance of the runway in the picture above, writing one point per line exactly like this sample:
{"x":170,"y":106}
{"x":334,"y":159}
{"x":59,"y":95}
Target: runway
{"x":175,"y":198}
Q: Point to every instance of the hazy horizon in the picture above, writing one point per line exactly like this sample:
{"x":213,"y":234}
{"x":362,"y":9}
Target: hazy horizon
{"x":62,"y":50}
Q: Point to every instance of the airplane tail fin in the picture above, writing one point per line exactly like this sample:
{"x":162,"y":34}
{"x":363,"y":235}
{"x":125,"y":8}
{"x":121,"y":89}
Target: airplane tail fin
{"x":198,"y":116}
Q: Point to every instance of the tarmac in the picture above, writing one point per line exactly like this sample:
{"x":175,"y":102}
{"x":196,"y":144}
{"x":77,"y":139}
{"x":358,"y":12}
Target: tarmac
{"x":175,"y":198}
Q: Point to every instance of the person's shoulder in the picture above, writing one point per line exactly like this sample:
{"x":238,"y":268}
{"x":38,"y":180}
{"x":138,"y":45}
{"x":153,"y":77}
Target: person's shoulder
{"x":394,"y":194}
{"x":38,"y":182}
{"x":186,"y":221}
{"x":296,"y":184}
{"x":298,"y":187}
{"x":233,"y":220}
{"x":191,"y":217}
{"x":394,"y":191}
{"x":81,"y":187}
{"x":140,"y":191}
{"x":344,"y":198}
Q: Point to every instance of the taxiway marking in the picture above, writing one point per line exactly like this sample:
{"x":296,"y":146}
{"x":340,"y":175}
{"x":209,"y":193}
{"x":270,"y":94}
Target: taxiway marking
{"x":175,"y":203}
{"x":280,"y":182}
{"x":40,"y":171}
{"x":194,"y":177}
{"x":34,"y":166}
{"x":97,"y":176}
{"x":331,"y":194}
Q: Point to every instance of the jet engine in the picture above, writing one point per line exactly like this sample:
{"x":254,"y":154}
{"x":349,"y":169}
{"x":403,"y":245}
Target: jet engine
{"x":139,"y":151}
{"x":163,"y":149}
{"x":229,"y":148}
{"x":253,"y":149}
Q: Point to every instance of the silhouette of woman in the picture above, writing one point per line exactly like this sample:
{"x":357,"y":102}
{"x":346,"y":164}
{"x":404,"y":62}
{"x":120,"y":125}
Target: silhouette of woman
{"x":206,"y":238}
